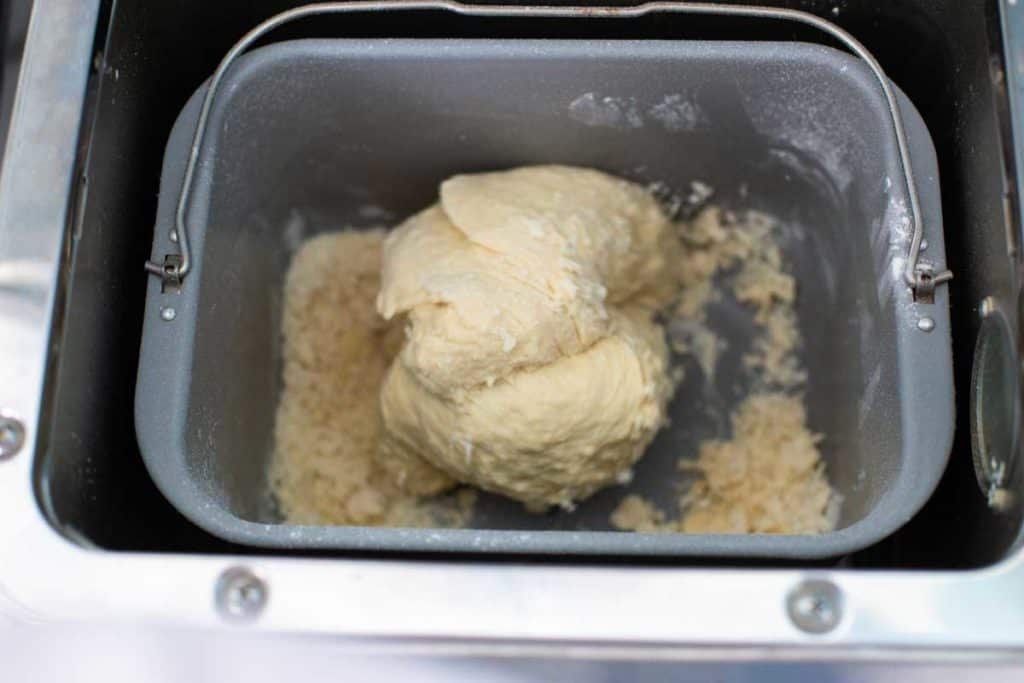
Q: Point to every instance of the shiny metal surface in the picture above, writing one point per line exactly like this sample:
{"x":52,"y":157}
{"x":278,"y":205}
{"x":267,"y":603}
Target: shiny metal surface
{"x":642,"y":611}
{"x":815,"y":606}
{"x":920,"y":277}
{"x":240,"y":595}
{"x":34,"y":186}
{"x":12,"y":436}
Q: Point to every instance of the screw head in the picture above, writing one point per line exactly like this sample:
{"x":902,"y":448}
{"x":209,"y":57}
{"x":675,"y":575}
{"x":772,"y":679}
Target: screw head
{"x":12,"y":436}
{"x":167,"y":313}
{"x":926,"y":324}
{"x":815,"y":606}
{"x":987,"y":307}
{"x":240,"y":595}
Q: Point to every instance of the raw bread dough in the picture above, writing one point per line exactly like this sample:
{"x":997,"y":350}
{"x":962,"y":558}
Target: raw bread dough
{"x":551,"y":435}
{"x":517,"y":269}
{"x":337,"y":350}
{"x":533,"y":366}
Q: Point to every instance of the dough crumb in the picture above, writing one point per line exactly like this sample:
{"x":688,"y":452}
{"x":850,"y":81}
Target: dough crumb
{"x":769,"y":476}
{"x":767,"y":479}
{"x":635,"y":513}
{"x":774,"y":354}
{"x":325,"y":468}
{"x":694,"y":338}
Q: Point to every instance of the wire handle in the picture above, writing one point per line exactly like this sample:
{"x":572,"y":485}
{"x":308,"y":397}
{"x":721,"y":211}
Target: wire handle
{"x":921,"y":278}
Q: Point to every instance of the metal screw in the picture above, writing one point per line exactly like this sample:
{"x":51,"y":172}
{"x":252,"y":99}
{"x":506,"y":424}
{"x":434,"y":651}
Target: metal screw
{"x":987,"y":306}
{"x":240,"y":595}
{"x":815,"y":606}
{"x":926,"y":324}
{"x":12,"y":436}
{"x":167,"y":313}
{"x":924,"y":245}
{"x":173,"y":235}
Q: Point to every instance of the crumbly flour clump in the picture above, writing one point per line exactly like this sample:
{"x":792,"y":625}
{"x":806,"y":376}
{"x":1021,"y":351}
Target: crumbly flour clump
{"x":768,"y":476}
{"x":325,"y":467}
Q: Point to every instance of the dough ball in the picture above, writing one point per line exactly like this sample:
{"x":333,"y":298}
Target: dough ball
{"x":516,"y":269}
{"x":546,"y":436}
{"x":532,"y":365}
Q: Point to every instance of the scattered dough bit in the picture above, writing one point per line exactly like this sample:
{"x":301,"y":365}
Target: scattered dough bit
{"x":773,"y":357}
{"x":636,"y":513}
{"x":337,"y":350}
{"x":533,"y":367}
{"x":717,"y":242}
{"x":694,"y":338}
{"x":768,"y":477}
{"x":712,"y":243}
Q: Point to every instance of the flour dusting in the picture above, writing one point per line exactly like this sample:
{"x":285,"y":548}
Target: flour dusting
{"x":678,"y":113}
{"x":592,"y":109}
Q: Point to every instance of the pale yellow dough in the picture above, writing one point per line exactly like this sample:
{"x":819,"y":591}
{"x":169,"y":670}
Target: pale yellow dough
{"x":532,"y":366}
{"x":336,"y":353}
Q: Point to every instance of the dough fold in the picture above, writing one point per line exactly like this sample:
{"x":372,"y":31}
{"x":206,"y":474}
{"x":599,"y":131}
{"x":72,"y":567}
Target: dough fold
{"x":532,"y":365}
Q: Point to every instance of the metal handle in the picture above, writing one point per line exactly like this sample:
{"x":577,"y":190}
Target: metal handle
{"x":919,"y":277}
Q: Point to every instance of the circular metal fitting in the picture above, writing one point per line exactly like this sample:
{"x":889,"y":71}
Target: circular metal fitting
{"x":12,"y":436}
{"x":815,"y":606}
{"x":240,"y":595}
